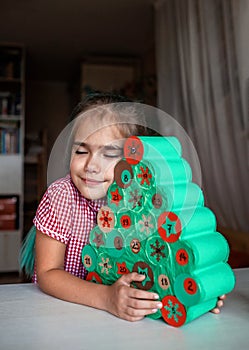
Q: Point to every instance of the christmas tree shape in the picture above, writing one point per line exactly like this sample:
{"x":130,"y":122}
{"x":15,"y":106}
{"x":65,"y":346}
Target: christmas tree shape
{"x":155,"y":223}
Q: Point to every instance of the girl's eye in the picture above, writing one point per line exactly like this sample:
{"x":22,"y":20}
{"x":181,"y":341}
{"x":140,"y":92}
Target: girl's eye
{"x":81,"y":151}
{"x":113,"y":154}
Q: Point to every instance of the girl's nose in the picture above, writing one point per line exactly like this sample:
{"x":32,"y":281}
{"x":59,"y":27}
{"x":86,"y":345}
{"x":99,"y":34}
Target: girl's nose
{"x":92,"y":164}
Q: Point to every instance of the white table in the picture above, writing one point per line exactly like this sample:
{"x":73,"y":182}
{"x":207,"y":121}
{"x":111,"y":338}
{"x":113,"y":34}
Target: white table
{"x":30,"y":319}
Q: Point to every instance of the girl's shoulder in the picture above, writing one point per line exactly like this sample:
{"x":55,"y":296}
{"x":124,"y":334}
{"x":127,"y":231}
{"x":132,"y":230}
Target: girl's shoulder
{"x":63,"y":187}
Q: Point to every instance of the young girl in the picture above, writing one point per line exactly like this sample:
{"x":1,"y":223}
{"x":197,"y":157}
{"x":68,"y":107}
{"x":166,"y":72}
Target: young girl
{"x":68,"y":210}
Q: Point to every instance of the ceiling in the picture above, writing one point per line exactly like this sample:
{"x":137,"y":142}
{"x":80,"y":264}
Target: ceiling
{"x":59,"y":33}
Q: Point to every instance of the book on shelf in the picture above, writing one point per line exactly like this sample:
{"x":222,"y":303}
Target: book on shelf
{"x":9,"y":138}
{"x":10,"y":104}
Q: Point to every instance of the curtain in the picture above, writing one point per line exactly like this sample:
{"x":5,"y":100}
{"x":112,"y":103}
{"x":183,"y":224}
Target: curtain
{"x":199,"y":84}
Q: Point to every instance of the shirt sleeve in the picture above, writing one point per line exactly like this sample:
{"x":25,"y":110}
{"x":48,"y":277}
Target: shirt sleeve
{"x":54,"y":213}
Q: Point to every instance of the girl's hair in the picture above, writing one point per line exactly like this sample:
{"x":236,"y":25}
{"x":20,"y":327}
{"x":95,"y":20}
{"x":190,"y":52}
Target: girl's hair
{"x":100,"y":110}
{"x":97,"y":99}
{"x":109,"y":108}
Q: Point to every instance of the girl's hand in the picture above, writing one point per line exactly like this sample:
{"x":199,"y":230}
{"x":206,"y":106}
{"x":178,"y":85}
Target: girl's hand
{"x":219,"y":304}
{"x":129,"y":303}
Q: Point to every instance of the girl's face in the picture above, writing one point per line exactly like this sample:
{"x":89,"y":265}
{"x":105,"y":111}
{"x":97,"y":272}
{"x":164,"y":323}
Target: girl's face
{"x":93,"y":160}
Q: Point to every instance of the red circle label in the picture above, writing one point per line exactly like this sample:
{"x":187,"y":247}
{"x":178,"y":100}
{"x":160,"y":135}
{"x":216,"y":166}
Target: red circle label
{"x":182,"y":257}
{"x":173,"y":311}
{"x":125,"y":221}
{"x":169,"y":227}
{"x":133,"y":150}
{"x":190,"y":286}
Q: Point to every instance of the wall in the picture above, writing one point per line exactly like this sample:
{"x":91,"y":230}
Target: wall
{"x":47,"y":107}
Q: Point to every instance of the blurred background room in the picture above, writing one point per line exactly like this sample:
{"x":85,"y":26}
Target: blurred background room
{"x":187,"y":57}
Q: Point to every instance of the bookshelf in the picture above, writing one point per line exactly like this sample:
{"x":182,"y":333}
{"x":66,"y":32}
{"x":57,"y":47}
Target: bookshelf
{"x":12,"y":93}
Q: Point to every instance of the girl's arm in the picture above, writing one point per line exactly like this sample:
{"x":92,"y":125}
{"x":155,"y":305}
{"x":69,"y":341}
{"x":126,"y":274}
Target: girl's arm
{"x":119,"y":299}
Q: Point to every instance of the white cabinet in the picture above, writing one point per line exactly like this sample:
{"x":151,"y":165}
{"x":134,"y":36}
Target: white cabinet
{"x":12,"y":93}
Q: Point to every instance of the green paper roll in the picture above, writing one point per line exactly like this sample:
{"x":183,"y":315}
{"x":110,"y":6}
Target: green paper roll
{"x":209,"y":249}
{"x":185,"y":196}
{"x":156,"y":315}
{"x":170,"y":147}
{"x":205,"y":284}
{"x":115,"y":245}
{"x":198,"y":310}
{"x":196,"y":222}
{"x":172,"y":171}
{"x":156,"y":200}
{"x":168,"y":165}
{"x":175,"y":198}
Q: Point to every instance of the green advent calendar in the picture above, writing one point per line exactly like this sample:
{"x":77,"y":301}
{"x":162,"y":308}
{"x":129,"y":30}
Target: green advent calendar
{"x":155,"y":223}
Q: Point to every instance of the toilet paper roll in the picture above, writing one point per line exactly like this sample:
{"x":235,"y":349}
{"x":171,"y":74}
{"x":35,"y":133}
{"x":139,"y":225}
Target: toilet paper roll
{"x":205,"y":284}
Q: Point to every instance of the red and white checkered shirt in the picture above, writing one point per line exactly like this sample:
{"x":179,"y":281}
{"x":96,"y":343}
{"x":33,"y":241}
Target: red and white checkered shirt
{"x":65,"y":215}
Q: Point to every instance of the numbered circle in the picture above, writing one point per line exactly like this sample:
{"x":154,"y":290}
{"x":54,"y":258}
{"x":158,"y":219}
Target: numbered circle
{"x":173,"y":312}
{"x":115,"y":197}
{"x":190,"y":286}
{"x":135,"y":245}
{"x":106,"y":219}
{"x":157,"y":200}
{"x":115,"y":243}
{"x":123,"y":174}
{"x":182,"y":257}
{"x":187,"y":289}
{"x":89,"y":258}
{"x":143,"y":268}
{"x":163,"y":281}
{"x":133,"y":150}
{"x":169,"y":227}
{"x":125,"y":220}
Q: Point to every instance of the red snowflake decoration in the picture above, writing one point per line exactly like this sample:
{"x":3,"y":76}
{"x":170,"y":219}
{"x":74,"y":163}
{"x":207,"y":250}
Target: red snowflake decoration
{"x":145,"y":176}
{"x":105,"y":218}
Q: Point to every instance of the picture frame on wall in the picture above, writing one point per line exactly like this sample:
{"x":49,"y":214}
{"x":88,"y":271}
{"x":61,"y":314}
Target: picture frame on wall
{"x":105,"y":74}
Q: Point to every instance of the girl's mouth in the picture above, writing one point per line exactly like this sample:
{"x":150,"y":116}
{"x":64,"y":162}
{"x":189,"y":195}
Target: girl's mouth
{"x":92,"y":182}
